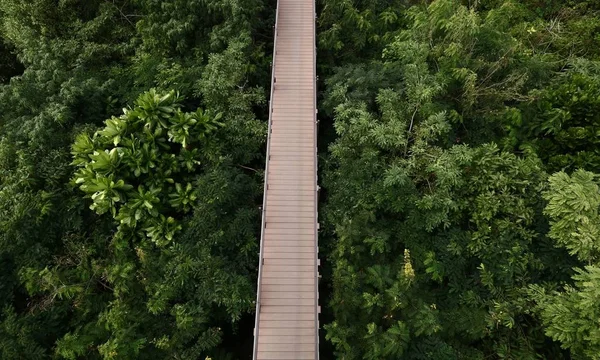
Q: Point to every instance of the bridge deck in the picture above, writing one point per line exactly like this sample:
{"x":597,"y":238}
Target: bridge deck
{"x":287,"y":300}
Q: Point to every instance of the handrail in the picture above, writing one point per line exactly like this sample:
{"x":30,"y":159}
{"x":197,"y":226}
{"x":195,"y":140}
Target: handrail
{"x":316,"y":182}
{"x":264,"y":206}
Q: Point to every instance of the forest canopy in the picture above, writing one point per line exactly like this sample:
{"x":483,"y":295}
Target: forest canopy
{"x":459,"y":162}
{"x":129,"y":233}
{"x":462,"y":179}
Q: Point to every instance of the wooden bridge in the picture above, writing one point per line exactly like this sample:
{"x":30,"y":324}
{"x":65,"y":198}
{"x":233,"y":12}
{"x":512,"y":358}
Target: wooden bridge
{"x":287,"y":324}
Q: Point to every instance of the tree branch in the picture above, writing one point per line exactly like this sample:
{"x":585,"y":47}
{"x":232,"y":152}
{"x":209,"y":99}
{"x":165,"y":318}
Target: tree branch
{"x":247,"y":168}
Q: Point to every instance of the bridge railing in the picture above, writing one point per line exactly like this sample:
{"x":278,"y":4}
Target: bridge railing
{"x":316,"y":182}
{"x":264,"y":205}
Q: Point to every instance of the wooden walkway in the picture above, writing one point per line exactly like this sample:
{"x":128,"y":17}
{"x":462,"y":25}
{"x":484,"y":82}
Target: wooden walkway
{"x":287,"y":300}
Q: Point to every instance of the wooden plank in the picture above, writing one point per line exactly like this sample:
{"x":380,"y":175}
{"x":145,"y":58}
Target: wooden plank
{"x":289,"y":243}
{"x":287,"y":116}
{"x":285,"y":130}
{"x":287,"y":119}
{"x":276,"y":230}
{"x":306,"y":196}
{"x":292,"y":154}
{"x":290,"y":249}
{"x":277,"y":241}
{"x":289,"y":172}
{"x":289,"y":278}
{"x":301,"y":228}
{"x":278,"y":192}
{"x":301,"y":219}
{"x":292,"y":237}
{"x":283,"y":178}
{"x":283,"y":281}
{"x":290,"y":215}
{"x":283,"y":77}
{"x":284,"y":254}
{"x":284,"y":94}
{"x":299,"y":165}
{"x":308,"y":309}
{"x":295,"y":120}
{"x":310,"y":238}
{"x":290,"y":288}
{"x":288,"y":324}
{"x":297,"y":115}
{"x":276,"y":205}
{"x":294,"y":347}
{"x":289,"y":222}
{"x":291,"y":270}
{"x":288,"y":339}
{"x":278,"y":175}
{"x":305,"y":141}
{"x":292,"y":113}
{"x":307,"y":200}
{"x":287,"y":331}
{"x":286,"y":355}
{"x":287,"y":231}
{"x":295,"y":141}
{"x":274,"y":216}
{"x":309,"y":125}
{"x":289,"y":302}
{"x":298,"y":207}
{"x":287,"y":86}
{"x":287,"y":258}
{"x":308,"y":188}
{"x":292,"y":204}
{"x":286,"y":148}
{"x":293,"y":149}
{"x":306,"y":171}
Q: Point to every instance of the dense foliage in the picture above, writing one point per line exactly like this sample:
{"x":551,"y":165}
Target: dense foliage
{"x":461,"y":177}
{"x":155,"y":258}
{"x":447,"y":237}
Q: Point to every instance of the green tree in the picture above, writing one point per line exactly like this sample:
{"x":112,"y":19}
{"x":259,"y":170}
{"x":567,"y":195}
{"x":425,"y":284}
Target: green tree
{"x":560,"y":124}
{"x":81,"y":63}
{"x":165,"y":282}
{"x":570,"y":315}
{"x":355,"y":29}
{"x":439,"y":232}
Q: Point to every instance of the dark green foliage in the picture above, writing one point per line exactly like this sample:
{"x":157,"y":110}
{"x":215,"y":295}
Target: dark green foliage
{"x":562,"y":123}
{"x":442,"y":249}
{"x":73,"y":284}
{"x":442,"y":240}
{"x":168,"y":291}
{"x":455,"y":233}
{"x":354,"y":29}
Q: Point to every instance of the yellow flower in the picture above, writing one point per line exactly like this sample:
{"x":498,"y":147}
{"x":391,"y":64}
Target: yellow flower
{"x":409,"y":272}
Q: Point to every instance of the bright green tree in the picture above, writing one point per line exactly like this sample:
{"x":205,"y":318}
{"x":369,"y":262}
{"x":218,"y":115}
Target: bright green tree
{"x":571,"y":314}
{"x":177,"y":265}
